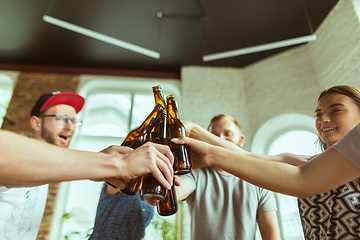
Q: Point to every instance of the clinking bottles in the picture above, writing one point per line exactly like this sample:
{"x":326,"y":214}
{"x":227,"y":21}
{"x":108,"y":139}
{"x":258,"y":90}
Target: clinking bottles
{"x":138,"y":137}
{"x":169,"y":205}
{"x":151,"y":188}
{"x":182,"y":163}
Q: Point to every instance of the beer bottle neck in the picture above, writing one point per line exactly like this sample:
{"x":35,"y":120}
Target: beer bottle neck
{"x":151,"y":120}
{"x":173,"y":113}
{"x":159,"y":98}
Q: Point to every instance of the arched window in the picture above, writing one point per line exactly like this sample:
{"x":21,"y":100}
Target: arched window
{"x":299,"y":142}
{"x":292,"y":133}
{"x":7,"y":82}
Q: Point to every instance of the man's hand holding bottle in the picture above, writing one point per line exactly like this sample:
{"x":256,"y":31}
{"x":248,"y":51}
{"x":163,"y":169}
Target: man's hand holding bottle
{"x":151,"y":158}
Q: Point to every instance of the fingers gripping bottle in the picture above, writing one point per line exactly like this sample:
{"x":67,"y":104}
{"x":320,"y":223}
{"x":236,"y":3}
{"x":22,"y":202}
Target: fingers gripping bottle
{"x":182,"y":162}
{"x":138,"y":137}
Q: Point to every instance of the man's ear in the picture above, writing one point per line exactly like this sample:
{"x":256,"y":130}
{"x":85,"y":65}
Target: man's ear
{"x":242,"y":140}
{"x":35,"y":123}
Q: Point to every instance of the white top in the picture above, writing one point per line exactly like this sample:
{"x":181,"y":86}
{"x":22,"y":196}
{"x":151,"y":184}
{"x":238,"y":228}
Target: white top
{"x":21,"y":211}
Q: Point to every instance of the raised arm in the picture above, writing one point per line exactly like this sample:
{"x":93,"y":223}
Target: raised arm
{"x":327,"y":171}
{"x":197,"y":132}
{"x":29,"y":162}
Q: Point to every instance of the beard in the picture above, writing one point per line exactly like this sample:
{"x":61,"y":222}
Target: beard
{"x":49,"y":136}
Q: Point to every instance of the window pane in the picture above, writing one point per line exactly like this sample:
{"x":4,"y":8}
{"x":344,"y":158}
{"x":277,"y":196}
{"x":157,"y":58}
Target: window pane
{"x":106,"y":114}
{"x":5,"y":96}
{"x":6,"y":90}
{"x":297,"y":142}
{"x":143,"y":105}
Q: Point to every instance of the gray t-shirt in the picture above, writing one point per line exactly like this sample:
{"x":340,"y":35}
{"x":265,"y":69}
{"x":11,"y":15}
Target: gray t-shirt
{"x":349,"y":146}
{"x":223,"y":206}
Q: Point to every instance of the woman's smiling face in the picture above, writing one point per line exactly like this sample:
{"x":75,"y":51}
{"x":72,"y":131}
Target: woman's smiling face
{"x":335,"y":115}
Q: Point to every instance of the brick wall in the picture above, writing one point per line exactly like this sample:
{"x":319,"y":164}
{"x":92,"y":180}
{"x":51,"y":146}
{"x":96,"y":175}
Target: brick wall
{"x":28,"y":88}
{"x":285,"y":83}
{"x":336,"y":53}
{"x":208,"y":91}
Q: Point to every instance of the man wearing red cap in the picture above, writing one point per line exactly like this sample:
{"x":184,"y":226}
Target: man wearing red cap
{"x":53,"y":119}
{"x":25,"y":163}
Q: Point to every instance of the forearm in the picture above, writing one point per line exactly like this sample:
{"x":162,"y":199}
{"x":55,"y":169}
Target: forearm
{"x":30,"y":162}
{"x":185,"y":188}
{"x":199,"y":133}
{"x":327,"y":172}
{"x":260,"y":172}
{"x":202,"y":134}
{"x":289,"y":158}
{"x":270,"y":235}
{"x":268,"y":225}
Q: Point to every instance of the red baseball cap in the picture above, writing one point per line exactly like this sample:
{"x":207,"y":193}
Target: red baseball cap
{"x":56,"y":98}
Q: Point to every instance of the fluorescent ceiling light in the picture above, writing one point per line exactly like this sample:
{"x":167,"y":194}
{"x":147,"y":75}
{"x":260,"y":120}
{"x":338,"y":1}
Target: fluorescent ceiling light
{"x":101,"y":37}
{"x":259,"y":48}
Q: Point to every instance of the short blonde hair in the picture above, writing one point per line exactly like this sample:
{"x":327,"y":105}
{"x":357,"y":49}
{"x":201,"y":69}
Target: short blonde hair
{"x":224,"y":116}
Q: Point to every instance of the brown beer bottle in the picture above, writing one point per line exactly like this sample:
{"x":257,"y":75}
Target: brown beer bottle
{"x":158,"y":95}
{"x":182,"y":163}
{"x":151,"y":188}
{"x":159,"y":99}
{"x":138,"y":137}
{"x":169,"y":205}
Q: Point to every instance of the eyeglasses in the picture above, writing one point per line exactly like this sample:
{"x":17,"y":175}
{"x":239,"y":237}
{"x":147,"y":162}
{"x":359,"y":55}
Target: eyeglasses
{"x":63,"y":120}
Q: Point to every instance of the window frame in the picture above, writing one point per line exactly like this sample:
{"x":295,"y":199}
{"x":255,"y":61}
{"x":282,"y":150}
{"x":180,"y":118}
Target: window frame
{"x":7,"y":81}
{"x":265,"y":137}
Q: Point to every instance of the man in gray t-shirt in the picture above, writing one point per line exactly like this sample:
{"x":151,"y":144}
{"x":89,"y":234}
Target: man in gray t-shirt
{"x":223,"y":206}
